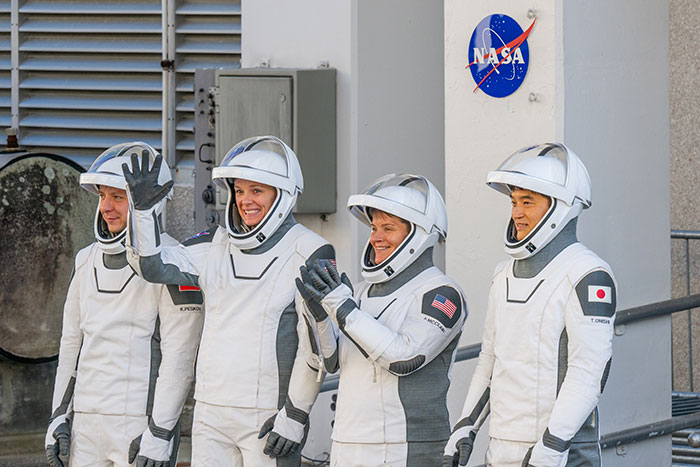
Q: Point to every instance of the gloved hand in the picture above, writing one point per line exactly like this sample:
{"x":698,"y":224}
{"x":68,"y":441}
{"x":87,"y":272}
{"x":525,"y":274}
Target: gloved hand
{"x":542,"y":456}
{"x":526,"y":460}
{"x":459,"y":446}
{"x":286,"y":430}
{"x":313,"y":302}
{"x":150,"y":451}
{"x":329,"y":288}
{"x":58,"y":440}
{"x":143,"y":184}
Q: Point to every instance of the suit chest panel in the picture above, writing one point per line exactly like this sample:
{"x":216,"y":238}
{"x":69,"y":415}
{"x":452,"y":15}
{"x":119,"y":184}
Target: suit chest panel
{"x":238,"y":281}
{"x":110,"y":281}
{"x":530,"y":312}
{"x":390,"y":310}
{"x":114,"y":298}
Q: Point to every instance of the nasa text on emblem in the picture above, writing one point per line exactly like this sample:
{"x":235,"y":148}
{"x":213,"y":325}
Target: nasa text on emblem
{"x":499,"y":55}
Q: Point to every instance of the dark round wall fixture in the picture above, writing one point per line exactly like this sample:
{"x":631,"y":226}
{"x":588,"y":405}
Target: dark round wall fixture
{"x":45,"y":218}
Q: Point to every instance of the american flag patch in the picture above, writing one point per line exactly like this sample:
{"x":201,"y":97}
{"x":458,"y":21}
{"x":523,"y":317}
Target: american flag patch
{"x":188,"y":288}
{"x":445,"y":305}
{"x":203,"y":232}
{"x":333,"y":263}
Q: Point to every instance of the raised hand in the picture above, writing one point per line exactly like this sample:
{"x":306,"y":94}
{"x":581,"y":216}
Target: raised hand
{"x":310,"y":295}
{"x":143,"y":184}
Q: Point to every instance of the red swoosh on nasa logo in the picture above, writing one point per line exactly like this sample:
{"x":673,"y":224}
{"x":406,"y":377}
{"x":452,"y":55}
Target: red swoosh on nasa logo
{"x":512,"y":45}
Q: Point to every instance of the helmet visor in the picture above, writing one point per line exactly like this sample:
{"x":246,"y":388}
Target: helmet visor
{"x":411,"y":197}
{"x":544,"y":169}
{"x":408,"y":190}
{"x":107,"y":168}
{"x":517,"y":161}
{"x":235,"y":156}
{"x":102,"y":165}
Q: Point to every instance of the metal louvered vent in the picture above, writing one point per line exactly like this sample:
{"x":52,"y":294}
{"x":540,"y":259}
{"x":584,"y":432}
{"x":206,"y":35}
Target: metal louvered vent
{"x":87,"y":74}
{"x":5,"y":65}
{"x":207,"y":35}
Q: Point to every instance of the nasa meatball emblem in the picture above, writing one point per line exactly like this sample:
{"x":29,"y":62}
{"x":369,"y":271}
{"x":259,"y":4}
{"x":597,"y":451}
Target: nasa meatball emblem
{"x":499,"y":55}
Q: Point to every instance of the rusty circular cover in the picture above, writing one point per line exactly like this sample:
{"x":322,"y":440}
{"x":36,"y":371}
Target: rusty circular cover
{"x":45,"y":218}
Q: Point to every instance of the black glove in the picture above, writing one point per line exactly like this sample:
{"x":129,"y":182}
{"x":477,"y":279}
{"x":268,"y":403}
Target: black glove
{"x":326,"y":278}
{"x":150,"y":451}
{"x":134,"y":448}
{"x":461,"y":457}
{"x":58,"y":440}
{"x":320,"y":279}
{"x":323,"y":278}
{"x":526,"y":461}
{"x":276,"y":444}
{"x":459,"y":446}
{"x":311,"y":298}
{"x":287,"y":430}
{"x":143,"y":184}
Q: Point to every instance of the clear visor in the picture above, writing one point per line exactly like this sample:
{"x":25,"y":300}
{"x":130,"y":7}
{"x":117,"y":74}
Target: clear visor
{"x":408,"y":190}
{"x":235,"y":156}
{"x":102,"y":163}
{"x":521,"y":160}
{"x":107,"y":168}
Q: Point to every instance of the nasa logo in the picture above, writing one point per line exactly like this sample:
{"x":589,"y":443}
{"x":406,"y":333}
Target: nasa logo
{"x":499,"y":55}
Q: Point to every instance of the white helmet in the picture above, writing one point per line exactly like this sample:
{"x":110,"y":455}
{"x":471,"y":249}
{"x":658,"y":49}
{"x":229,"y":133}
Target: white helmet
{"x":262,"y":159}
{"x":107,"y":170}
{"x":550,"y":169}
{"x":412,"y":198}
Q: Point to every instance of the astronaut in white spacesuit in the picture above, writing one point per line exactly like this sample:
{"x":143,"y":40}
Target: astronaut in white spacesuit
{"x":125,"y":363}
{"x":398,"y":333}
{"x":257,"y":372}
{"x":547,"y":340}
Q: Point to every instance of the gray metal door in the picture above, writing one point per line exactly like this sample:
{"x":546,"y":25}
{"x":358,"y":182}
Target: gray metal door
{"x":267,"y":105}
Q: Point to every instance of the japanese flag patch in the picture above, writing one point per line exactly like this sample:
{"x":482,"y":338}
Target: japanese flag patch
{"x":596,"y":295}
{"x":599,"y":294}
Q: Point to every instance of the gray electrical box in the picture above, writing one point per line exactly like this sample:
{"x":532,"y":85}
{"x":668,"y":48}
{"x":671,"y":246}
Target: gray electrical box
{"x":296,"y":105}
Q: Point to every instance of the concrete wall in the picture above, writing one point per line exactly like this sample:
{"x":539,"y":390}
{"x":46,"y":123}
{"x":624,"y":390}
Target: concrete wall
{"x":389,"y":60}
{"x":684,"y":59}
{"x":610,"y":107}
{"x":616,"y":116}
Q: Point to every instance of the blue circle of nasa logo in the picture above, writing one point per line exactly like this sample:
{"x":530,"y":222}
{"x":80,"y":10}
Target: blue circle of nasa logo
{"x":499,"y":55}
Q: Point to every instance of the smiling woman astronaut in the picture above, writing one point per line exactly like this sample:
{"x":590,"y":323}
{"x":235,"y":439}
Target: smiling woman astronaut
{"x":256,"y":369}
{"x":397,"y":334}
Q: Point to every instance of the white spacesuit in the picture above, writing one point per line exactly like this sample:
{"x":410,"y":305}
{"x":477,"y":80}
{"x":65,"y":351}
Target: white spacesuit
{"x":397,"y":336}
{"x":127,"y":348}
{"x":547,"y":341}
{"x":256,"y":370}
